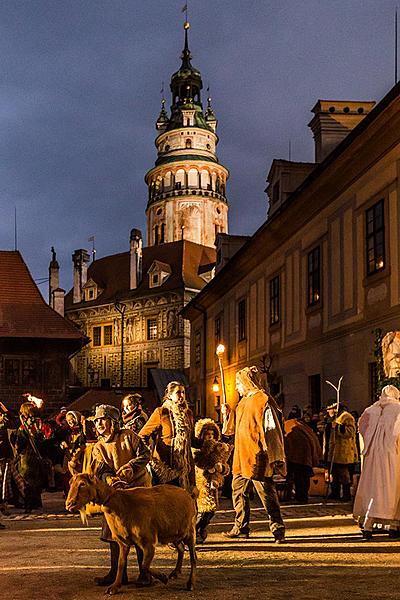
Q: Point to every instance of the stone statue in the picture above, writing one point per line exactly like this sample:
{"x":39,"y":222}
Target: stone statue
{"x":171,"y":323}
{"x":129,"y":331}
{"x":391,"y":353}
{"x":117,"y":332}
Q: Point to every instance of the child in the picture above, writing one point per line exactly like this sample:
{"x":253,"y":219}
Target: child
{"x":211,"y":466}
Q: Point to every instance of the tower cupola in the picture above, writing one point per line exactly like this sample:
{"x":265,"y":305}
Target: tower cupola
{"x":187,"y":186}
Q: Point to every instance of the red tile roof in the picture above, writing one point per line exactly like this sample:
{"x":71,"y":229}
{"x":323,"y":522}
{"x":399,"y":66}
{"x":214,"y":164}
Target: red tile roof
{"x":23,"y":312}
{"x":111,"y":273}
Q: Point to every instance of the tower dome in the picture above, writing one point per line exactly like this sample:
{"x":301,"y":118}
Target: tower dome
{"x":187,"y":185}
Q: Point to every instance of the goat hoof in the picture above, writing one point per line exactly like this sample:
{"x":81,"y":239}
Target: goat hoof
{"x":113,"y":589}
{"x":144,"y":581}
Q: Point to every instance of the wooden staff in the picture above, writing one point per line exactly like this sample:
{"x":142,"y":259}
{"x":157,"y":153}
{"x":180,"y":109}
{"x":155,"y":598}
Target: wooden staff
{"x":333,"y":431}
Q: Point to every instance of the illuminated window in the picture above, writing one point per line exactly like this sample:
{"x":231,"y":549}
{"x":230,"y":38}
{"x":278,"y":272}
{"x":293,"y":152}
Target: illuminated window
{"x":107,"y":333}
{"x":96,"y":336}
{"x":314,"y":276}
{"x":151,"y":329}
{"x":102,"y":335}
{"x":274,"y":301}
{"x":375,"y":238}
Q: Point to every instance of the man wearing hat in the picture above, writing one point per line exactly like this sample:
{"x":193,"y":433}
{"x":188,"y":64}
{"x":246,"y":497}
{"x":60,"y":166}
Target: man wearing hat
{"x":342,"y":450}
{"x":120,"y":459}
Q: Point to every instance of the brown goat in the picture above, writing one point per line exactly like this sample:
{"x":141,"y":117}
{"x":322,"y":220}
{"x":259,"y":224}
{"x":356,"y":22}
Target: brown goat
{"x":144,"y":517}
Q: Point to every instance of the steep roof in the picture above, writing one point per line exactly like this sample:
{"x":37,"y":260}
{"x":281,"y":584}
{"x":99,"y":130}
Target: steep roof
{"x":111,"y":273}
{"x":23,"y":312}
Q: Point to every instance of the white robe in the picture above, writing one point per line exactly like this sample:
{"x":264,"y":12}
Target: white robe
{"x":378,"y":493}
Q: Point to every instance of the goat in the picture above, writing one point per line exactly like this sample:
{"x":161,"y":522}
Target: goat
{"x":142,"y":516}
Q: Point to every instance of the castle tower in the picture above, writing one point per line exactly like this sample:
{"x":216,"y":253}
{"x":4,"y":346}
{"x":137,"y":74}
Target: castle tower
{"x":187,"y":185}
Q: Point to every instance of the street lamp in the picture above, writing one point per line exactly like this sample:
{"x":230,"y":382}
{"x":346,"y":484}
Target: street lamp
{"x":215,"y":386}
{"x":121,"y":308}
{"x":220,"y":352}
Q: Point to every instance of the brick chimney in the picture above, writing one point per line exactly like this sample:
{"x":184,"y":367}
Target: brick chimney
{"x":135,"y":266}
{"x":332,"y":122}
{"x":80,"y":259}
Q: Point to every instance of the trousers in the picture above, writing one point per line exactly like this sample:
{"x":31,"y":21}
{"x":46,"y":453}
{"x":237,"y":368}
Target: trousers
{"x":241,"y":502}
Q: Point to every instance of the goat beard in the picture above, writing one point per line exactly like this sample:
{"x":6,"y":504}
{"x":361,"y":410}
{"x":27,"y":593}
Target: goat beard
{"x":88,"y":510}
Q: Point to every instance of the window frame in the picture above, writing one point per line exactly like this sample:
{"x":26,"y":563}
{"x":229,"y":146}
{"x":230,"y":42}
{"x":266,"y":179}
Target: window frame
{"x":371,"y":238}
{"x":242,"y":319}
{"x":151,"y":330}
{"x":275,"y":300}
{"x":314,"y":277}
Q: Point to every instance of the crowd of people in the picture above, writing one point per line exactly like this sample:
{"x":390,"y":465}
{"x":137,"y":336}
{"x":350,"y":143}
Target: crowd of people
{"x":254,"y":445}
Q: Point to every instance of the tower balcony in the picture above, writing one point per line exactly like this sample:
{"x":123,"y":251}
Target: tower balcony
{"x":156,"y":196}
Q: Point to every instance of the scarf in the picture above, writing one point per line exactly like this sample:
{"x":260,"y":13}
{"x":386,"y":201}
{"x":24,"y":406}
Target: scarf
{"x":181,"y":442}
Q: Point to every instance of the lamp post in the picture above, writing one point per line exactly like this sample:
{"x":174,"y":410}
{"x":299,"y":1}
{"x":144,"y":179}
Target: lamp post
{"x":220,"y":352}
{"x":121,"y":308}
{"x":216,"y":389}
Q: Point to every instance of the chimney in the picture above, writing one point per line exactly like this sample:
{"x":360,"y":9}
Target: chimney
{"x":54,"y":276}
{"x":58,"y":301}
{"x":80,"y":258}
{"x":135,"y":263}
{"x":332,"y":122}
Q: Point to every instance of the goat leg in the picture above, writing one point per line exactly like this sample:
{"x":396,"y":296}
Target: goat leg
{"x":178,"y":567}
{"x":122,"y":559}
{"x":190,"y":542}
{"x":145,"y":579}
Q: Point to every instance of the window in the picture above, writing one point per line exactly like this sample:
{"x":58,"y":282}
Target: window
{"x":155,"y":279}
{"x":29,"y":372}
{"x":107,"y":340}
{"x":178,"y":185}
{"x":274,"y":300}
{"x":11,"y":371}
{"x":373,"y":382}
{"x":314,"y":276}
{"x":197,"y":347}
{"x":96,"y":336}
{"x":102,"y":335}
{"x":276,"y":192}
{"x":314,"y":391}
{"x":217,"y":331}
{"x":188,"y":143}
{"x":152,"y":329}
{"x":375,"y":238}
{"x":242,"y":333}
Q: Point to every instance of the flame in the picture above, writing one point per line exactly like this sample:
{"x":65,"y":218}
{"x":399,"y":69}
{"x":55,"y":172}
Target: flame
{"x":37,"y":401}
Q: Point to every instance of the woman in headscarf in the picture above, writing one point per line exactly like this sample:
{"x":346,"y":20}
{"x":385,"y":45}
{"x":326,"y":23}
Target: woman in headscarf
{"x":73,"y":444}
{"x":171,"y":429}
{"x":133,"y":415}
{"x":378,"y":494}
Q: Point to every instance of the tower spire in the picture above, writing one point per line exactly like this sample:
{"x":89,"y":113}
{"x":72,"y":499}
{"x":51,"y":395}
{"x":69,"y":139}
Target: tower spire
{"x":186,"y":54}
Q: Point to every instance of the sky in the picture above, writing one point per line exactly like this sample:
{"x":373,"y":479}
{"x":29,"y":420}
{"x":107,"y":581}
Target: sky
{"x":80,"y":94}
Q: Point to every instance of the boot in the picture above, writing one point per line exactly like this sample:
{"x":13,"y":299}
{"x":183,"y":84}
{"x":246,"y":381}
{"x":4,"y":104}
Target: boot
{"x":346,"y":493}
{"x":111,"y":575}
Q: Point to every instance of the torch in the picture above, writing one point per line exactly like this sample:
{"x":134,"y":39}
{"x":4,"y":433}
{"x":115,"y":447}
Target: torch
{"x":227,"y":420}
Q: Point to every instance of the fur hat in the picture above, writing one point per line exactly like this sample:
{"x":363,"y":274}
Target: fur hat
{"x":203,"y":425}
{"x":106,"y":411}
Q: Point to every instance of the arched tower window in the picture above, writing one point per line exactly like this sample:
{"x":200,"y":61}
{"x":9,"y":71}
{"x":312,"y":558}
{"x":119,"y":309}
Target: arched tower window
{"x":193,"y":178}
{"x":205,"y":180}
{"x":156,"y":240}
{"x":179,"y":179}
{"x":162,"y":233}
{"x":188,"y":142}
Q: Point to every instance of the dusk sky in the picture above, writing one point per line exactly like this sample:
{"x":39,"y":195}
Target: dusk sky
{"x":80,"y":93}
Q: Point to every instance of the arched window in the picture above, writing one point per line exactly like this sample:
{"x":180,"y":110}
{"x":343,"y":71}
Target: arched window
{"x":156,"y":240}
{"x":162,"y":233}
{"x":205,"y":180}
{"x":193,"y":178}
{"x":179,"y":179}
{"x":188,"y":142}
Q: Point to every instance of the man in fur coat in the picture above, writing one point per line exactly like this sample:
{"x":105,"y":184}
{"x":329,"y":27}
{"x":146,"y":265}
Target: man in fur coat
{"x":259,"y":454}
{"x":211,"y":466}
{"x":120,"y":459}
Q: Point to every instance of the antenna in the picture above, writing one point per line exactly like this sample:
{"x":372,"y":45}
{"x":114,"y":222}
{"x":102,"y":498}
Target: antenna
{"x":92,"y":239}
{"x":15,"y":229}
{"x":395,"y":45}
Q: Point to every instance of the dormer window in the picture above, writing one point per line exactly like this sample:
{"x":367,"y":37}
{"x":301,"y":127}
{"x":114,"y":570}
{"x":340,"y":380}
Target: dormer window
{"x":90,"y":290}
{"x":158,"y":273}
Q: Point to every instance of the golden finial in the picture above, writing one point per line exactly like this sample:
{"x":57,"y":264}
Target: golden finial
{"x":186,"y":25}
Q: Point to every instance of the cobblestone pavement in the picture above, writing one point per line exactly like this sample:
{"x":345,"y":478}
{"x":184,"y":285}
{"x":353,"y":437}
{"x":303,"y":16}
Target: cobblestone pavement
{"x":52,"y":556}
